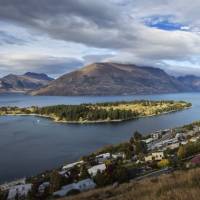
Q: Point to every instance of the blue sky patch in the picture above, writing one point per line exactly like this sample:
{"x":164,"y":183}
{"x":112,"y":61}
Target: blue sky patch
{"x":163,"y":23}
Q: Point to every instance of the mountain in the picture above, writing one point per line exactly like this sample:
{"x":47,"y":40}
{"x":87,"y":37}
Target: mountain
{"x":113,"y":79}
{"x":190,"y":81}
{"x":41,"y":76}
{"x":23,"y":83}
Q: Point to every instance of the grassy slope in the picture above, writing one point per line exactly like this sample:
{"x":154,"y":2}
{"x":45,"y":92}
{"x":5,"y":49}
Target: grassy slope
{"x":181,"y":185}
{"x":147,"y":110}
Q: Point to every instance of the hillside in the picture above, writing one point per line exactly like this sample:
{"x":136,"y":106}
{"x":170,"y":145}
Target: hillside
{"x":113,"y":79}
{"x":190,"y":81}
{"x":181,"y":185}
{"x":23,"y":83}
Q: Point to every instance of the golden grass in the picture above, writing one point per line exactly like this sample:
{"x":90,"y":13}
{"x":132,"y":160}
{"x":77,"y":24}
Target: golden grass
{"x":182,"y":185}
{"x":145,"y":110}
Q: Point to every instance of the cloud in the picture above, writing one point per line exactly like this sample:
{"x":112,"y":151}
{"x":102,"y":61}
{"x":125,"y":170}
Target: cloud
{"x":151,"y":32}
{"x":9,"y":39}
{"x":53,"y":66}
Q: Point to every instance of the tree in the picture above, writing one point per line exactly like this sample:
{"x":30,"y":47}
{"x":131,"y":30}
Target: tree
{"x":100,"y":179}
{"x":84,"y":173}
{"x":181,"y":152}
{"x":140,"y":147}
{"x":121,"y":174}
{"x":2,"y":195}
{"x":136,"y":137}
{"x":55,"y":181}
{"x":163,"y":163}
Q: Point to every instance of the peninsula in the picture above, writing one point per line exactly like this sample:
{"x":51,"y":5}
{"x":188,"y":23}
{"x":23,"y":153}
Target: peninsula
{"x":100,"y":112}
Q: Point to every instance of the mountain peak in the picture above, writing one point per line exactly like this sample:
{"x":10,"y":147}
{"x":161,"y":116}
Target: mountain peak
{"x":112,"y":79}
{"x":38,"y":76}
{"x":23,"y":83}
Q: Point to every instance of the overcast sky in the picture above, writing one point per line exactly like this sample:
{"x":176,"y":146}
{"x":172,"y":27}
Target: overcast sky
{"x":58,"y":36}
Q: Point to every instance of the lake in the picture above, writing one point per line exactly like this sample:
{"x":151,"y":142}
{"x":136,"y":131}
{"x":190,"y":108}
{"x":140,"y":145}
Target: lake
{"x":30,"y":145}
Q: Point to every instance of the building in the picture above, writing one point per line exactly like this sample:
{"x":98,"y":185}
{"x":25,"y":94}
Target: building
{"x":42,"y":187}
{"x":154,"y":156}
{"x":80,"y":186}
{"x":20,"y":190}
{"x":194,"y":139}
{"x":180,"y":136}
{"x":71,"y":165}
{"x":195,"y":161}
{"x":103,"y":157}
{"x":158,"y":155}
{"x":119,"y":155}
{"x":6,"y":186}
{"x":196,"y":129}
{"x":173,"y":146}
{"x":156,"y":135}
{"x":93,"y":170}
{"x":148,"y":140}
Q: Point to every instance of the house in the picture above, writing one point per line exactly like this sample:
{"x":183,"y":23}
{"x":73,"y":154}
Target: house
{"x":180,"y":136}
{"x":103,"y":157}
{"x":196,"y":129}
{"x":173,"y":146}
{"x":20,"y":190}
{"x":154,"y":156}
{"x":194,"y":139}
{"x":118,"y":155}
{"x":148,"y":140}
{"x":156,"y":135}
{"x":196,"y":160}
{"x":71,"y":165}
{"x":184,"y":142}
{"x":6,"y":186}
{"x":93,"y":170}
{"x":42,"y":187}
{"x":158,"y":155}
{"x":65,"y":173}
{"x":80,"y":186}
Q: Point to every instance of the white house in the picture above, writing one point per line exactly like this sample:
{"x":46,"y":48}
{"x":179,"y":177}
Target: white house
{"x":196,"y":129}
{"x":93,"y":170}
{"x":43,"y":186}
{"x":118,"y":155}
{"x":20,"y":190}
{"x":158,"y":155}
{"x":154,"y":156}
{"x":71,"y":165}
{"x":148,"y":140}
{"x":102,"y":157}
{"x":156,"y":135}
{"x":173,"y":146}
{"x":6,"y":186}
{"x":80,"y":186}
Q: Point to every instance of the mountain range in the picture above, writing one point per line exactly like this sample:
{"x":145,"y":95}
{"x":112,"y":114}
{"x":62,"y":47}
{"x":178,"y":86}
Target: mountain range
{"x":23,"y":83}
{"x":102,"y":79}
{"x":117,"y":79}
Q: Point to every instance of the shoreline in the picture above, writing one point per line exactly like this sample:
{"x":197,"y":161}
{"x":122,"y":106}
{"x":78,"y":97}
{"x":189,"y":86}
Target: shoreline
{"x":94,"y":122}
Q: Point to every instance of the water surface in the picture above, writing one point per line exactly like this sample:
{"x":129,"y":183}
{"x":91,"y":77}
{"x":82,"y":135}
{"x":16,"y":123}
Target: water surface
{"x":29,"y":145}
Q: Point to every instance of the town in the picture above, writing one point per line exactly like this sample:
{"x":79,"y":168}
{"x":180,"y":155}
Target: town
{"x":160,"y":152}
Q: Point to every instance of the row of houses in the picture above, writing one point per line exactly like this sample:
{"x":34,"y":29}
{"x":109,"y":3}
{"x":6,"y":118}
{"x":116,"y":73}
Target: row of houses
{"x":20,"y":191}
{"x":80,"y":186}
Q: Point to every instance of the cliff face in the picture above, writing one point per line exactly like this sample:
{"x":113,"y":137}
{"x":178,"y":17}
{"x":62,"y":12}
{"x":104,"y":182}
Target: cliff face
{"x":113,"y":79}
